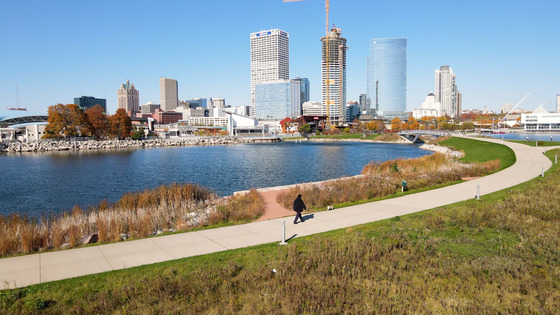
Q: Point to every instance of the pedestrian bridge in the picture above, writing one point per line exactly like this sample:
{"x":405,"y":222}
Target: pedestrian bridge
{"x":414,"y":135}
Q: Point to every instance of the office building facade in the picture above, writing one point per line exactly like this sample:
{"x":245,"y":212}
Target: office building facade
{"x":386,"y":77}
{"x":169,"y":98}
{"x":299,"y":94}
{"x":87,"y":102}
{"x":333,"y":76}
{"x":270,"y":58}
{"x":273,"y":100}
{"x":128,"y":97}
{"x":446,"y":91}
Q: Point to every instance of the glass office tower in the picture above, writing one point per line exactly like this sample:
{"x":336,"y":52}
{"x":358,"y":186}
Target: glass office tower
{"x":386,"y":77}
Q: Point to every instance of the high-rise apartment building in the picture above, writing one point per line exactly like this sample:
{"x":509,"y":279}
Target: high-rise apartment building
{"x":386,"y":77}
{"x":270,"y":59}
{"x":87,"y":102}
{"x":333,"y":84}
{"x":169,"y":98}
{"x":446,"y":91}
{"x":128,"y":97}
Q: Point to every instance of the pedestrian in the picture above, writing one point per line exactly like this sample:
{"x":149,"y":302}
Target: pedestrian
{"x":299,"y":206}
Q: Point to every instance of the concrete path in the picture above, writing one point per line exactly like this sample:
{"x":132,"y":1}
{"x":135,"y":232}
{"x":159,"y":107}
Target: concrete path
{"x":50,"y":266}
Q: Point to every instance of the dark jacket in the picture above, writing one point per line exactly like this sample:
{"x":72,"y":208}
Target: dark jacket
{"x":299,"y":206}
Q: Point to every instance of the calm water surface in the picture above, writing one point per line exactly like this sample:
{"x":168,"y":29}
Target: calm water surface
{"x":38,"y":183}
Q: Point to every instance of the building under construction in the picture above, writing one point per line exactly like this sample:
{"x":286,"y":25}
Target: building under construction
{"x":333,"y":76}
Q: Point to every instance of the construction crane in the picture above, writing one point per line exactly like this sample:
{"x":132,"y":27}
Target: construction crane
{"x":327,"y":65}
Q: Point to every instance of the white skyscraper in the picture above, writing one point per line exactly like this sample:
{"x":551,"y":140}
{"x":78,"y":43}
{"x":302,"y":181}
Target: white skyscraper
{"x":169,"y":99}
{"x":270,"y":59}
{"x":128,"y":97}
{"x":446,"y":91}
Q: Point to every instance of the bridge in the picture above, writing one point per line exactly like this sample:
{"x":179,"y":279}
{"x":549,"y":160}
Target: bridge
{"x":414,"y":135}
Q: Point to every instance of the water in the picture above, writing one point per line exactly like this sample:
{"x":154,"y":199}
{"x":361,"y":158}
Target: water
{"x":524,"y":136}
{"x":39,"y":183}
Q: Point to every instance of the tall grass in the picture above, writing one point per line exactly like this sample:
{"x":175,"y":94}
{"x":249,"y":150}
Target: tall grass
{"x":383,"y":179}
{"x":138,"y":214}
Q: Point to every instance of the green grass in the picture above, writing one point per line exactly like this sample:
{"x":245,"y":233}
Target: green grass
{"x":540,"y":143}
{"x":497,"y":255}
{"x":481,"y":151}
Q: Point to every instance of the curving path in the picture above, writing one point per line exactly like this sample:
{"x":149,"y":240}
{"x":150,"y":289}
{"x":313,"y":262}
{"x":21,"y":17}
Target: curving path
{"x":50,"y":266}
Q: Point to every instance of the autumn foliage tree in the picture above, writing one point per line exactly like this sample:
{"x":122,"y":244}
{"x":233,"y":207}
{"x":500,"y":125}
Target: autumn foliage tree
{"x":396,"y":124}
{"x":97,"y":123}
{"x":64,"y":120}
{"x":120,"y":124}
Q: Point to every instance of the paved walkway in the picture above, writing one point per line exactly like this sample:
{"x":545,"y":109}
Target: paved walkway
{"x":50,"y":266}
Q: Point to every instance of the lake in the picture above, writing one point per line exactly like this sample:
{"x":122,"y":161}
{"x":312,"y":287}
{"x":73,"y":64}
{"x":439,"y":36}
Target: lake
{"x":51,"y":182}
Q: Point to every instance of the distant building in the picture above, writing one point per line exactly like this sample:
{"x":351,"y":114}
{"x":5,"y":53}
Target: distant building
{"x":270,"y":58}
{"x":314,"y":109}
{"x":87,"y":102}
{"x":194,"y":103}
{"x":541,"y":120}
{"x":446,"y":91}
{"x":333,"y":84}
{"x":352,"y":111}
{"x":300,"y":93}
{"x":218,"y":102}
{"x":149,"y":108}
{"x":243,"y":110}
{"x":430,"y":108}
{"x":558,"y":103}
{"x":386,"y":77}
{"x":165,"y":118}
{"x":169,"y":98}
{"x":273,"y":101}
{"x":506,"y":108}
{"x":128,"y":97}
{"x":363,"y":105}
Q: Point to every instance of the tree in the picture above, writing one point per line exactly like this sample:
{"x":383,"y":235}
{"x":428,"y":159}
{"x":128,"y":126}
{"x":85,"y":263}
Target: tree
{"x":396,"y":124}
{"x":306,"y":128}
{"x":67,"y":120}
{"x":415,"y":125}
{"x":120,"y":124}
{"x":97,"y":123}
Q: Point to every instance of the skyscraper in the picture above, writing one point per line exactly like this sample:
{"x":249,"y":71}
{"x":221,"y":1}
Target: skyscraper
{"x":128,"y":98}
{"x":300,"y":94}
{"x":386,"y":77}
{"x":169,"y":99}
{"x":270,"y":59}
{"x":446,"y":91}
{"x":333,"y":87}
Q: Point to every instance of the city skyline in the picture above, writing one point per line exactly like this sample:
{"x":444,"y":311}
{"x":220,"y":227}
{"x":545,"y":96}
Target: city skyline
{"x":502,"y":50}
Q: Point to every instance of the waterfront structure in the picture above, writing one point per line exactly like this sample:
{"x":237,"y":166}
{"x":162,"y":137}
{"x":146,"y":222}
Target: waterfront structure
{"x":87,"y":102}
{"x":430,"y":108}
{"x":128,"y":97}
{"x":333,"y":87}
{"x":386,"y":77}
{"x":270,"y":59}
{"x":446,"y":91}
{"x":169,"y":97}
{"x":22,"y":125}
{"x":541,"y":120}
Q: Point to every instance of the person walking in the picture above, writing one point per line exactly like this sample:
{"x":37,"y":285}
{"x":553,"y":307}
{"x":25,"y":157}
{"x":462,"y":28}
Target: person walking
{"x":299,"y":206}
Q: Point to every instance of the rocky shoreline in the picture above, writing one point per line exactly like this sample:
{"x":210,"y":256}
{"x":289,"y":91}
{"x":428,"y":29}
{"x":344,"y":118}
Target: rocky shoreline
{"x":65,"y":145}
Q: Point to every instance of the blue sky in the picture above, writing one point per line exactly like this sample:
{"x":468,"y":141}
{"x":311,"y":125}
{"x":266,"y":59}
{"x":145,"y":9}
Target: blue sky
{"x":58,"y":50}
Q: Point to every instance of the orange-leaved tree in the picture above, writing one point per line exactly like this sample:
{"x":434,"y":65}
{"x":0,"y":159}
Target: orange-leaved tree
{"x":120,"y":124}
{"x":97,"y":123}
{"x":396,"y":124}
{"x":67,"y":120}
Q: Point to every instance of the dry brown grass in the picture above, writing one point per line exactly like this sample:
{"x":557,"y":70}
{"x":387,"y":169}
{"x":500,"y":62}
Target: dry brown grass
{"x":139,"y":214}
{"x":383,"y":179}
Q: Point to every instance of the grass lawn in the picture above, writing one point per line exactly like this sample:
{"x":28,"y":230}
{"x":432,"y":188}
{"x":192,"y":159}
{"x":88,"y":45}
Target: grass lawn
{"x":537,"y":143}
{"x":480,"y":151}
{"x":497,"y":255}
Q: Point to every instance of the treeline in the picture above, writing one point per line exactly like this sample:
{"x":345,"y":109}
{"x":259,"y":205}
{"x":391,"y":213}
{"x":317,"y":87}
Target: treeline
{"x":70,"y":121}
